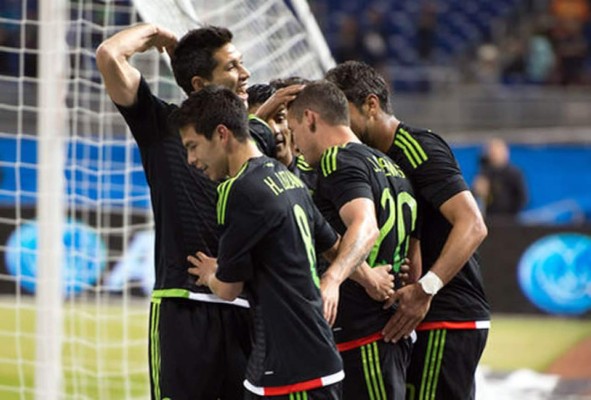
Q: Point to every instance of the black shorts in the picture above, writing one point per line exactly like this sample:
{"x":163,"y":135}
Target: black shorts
{"x":330,"y":392}
{"x":198,"y":350}
{"x":376,"y":371}
{"x":443,"y":364}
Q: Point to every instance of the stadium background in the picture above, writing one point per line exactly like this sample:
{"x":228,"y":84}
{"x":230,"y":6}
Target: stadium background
{"x":469,"y":70}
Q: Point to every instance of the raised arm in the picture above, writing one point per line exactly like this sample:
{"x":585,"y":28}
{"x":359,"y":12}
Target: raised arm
{"x":112,"y":57}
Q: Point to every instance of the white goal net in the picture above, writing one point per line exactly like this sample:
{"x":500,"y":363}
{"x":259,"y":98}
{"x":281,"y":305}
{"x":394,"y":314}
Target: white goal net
{"x":76,"y":256}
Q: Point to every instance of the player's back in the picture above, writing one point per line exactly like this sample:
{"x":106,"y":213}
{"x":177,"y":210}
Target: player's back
{"x":358,"y":171}
{"x":269,"y":226}
{"x":429,"y":163}
{"x":183,"y":199}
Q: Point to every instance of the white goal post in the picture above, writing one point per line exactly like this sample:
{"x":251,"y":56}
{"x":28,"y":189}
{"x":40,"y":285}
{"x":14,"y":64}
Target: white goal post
{"x":76,"y":238}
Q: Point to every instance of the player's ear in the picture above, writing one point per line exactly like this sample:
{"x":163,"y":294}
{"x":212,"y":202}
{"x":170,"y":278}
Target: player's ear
{"x":310,"y":118}
{"x":222,"y":132}
{"x":198,"y":83}
{"x":371,"y":105}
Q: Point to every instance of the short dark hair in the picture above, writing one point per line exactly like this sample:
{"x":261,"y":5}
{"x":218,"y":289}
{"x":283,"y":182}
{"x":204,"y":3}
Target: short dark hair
{"x":326,"y":99}
{"x":358,"y":80}
{"x":280,"y":83}
{"x":209,"y":107}
{"x":193,"y":54}
{"x":259,"y":93}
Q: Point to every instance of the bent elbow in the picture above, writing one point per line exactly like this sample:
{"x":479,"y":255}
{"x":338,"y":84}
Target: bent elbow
{"x":228,"y":296}
{"x":480,"y":230}
{"x":104,"y":55}
{"x":372,"y":234}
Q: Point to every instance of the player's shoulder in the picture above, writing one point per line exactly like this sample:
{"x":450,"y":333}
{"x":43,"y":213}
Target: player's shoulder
{"x":301,"y":164}
{"x":343,"y":157}
{"x":262,"y":135}
{"x":417,"y":146}
{"x":243,"y":188}
{"x":411,"y":136}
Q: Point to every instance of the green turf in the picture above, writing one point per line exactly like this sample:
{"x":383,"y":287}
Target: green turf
{"x":516,"y":342}
{"x":104,"y":358}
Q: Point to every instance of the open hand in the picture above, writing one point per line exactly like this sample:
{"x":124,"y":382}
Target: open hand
{"x":203,"y":267}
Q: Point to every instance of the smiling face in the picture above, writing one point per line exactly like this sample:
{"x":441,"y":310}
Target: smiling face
{"x":230,"y":71}
{"x":283,"y":136}
{"x":207,"y":155}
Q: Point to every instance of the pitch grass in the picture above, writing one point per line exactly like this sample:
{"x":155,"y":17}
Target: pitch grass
{"x":105,"y":352}
{"x":516,"y":342}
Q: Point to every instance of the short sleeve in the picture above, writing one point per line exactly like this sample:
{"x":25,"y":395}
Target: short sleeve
{"x":262,"y":135}
{"x":439,"y":178}
{"x":325,"y":235}
{"x":148,"y":117}
{"x":346,"y":181}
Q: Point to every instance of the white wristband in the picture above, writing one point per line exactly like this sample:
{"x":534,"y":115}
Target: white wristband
{"x":431,"y":283}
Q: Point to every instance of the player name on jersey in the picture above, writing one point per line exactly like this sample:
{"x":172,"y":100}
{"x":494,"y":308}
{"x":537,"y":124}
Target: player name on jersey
{"x":282,"y":181}
{"x":381,"y":164}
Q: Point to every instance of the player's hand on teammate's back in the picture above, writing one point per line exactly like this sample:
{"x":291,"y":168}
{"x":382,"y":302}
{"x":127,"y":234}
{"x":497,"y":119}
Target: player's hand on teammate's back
{"x":203,"y":267}
{"x":329,"y":288}
{"x":382,"y":286}
{"x":413,"y":304}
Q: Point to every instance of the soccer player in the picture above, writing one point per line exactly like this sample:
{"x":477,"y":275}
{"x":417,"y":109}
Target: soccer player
{"x":199,"y":343}
{"x":270,"y":229}
{"x":277,"y":120}
{"x":368,"y":200}
{"x":453,"y":334}
{"x":273,"y":98}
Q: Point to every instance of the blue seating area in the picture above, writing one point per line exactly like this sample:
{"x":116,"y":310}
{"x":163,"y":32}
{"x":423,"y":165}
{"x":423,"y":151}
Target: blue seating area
{"x":459,"y":24}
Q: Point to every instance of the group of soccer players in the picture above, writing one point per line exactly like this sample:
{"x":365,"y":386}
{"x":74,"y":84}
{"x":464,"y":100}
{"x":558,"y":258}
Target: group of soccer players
{"x":317,"y":248}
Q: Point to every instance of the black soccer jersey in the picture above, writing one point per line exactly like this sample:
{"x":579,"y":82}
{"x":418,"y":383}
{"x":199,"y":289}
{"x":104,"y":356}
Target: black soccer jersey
{"x":183,"y":198}
{"x":433,"y":170}
{"x":270,"y":229}
{"x":262,"y":135}
{"x":358,"y":171}
{"x":304,"y":171}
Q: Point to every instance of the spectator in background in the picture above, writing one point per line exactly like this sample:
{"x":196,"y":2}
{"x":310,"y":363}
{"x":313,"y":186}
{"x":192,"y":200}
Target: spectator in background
{"x":568,"y":37}
{"x":577,"y":10}
{"x":375,"y":37}
{"x":349,"y":42}
{"x":487,"y":69}
{"x":540,"y":58}
{"x":572,"y":50}
{"x":426,"y":30}
{"x":499,"y":187}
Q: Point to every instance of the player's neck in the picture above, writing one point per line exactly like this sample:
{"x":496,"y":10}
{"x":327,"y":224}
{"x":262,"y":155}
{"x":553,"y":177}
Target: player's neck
{"x":240,"y":154}
{"x":339,"y":136}
{"x":385,"y":130}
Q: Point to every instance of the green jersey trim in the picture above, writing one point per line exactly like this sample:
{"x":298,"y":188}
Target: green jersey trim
{"x":302,"y":164}
{"x":410,"y":146}
{"x":262,"y":121}
{"x":328,"y":162}
{"x":223,"y":193}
